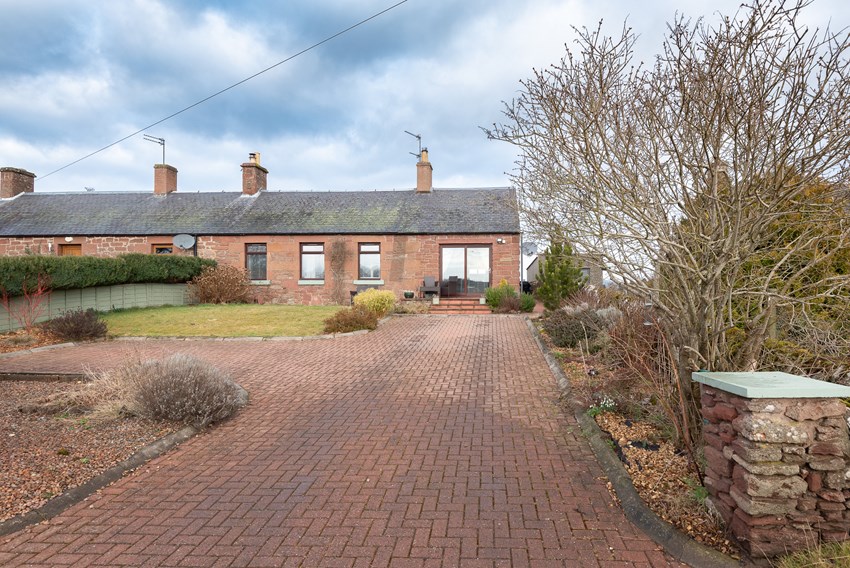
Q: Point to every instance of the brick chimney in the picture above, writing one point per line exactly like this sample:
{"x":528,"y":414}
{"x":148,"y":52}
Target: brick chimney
{"x":14,"y":181}
{"x":164,"y":179}
{"x":424,"y":173}
{"x":253,"y":175}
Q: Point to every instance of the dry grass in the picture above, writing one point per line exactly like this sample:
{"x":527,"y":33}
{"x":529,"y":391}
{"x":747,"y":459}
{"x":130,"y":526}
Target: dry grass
{"x":178,"y":388}
{"x":412,"y":307}
{"x":832,"y":555}
{"x":226,"y":320}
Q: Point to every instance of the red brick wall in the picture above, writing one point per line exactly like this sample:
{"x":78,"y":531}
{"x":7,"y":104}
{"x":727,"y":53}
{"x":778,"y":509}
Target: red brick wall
{"x":93,"y":246}
{"x":14,"y":181}
{"x":405,"y":259}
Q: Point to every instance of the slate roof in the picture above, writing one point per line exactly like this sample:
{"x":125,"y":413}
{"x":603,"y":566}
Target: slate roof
{"x":443,"y":211}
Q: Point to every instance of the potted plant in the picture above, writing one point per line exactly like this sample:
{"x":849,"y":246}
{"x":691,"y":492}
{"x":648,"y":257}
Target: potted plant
{"x":408,"y":294}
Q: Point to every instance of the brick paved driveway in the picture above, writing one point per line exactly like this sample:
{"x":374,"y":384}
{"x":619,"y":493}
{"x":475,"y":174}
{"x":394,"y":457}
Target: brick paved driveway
{"x":434,"y":441}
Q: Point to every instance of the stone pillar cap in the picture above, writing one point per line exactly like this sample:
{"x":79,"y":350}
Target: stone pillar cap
{"x":771,"y":384}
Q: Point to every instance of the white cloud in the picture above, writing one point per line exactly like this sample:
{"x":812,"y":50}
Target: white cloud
{"x":331,"y":119}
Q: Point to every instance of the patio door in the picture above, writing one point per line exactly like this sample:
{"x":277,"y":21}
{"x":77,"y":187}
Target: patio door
{"x":465,"y":270}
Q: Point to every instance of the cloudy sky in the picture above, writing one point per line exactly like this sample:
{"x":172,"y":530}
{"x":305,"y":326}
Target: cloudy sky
{"x":78,"y":75}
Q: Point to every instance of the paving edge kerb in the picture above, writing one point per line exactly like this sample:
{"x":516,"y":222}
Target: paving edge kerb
{"x":381,"y":321}
{"x":676,"y":544}
{"x":79,"y":493}
{"x":82,"y":492}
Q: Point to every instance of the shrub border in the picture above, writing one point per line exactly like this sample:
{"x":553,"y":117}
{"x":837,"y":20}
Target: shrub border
{"x":675,"y":543}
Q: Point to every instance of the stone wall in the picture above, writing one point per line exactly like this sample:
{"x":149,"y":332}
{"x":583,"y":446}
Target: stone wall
{"x":90,"y":246}
{"x":778,"y":469}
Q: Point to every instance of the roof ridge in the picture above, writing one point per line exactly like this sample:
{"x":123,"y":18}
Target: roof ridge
{"x":267,"y":191}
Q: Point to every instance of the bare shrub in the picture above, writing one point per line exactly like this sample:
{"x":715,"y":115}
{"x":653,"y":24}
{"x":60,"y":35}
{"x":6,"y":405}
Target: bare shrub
{"x":812,"y":349}
{"x":642,"y":353}
{"x":351,"y":319}
{"x":595,"y":298}
{"x":586,"y":316}
{"x":77,"y":325}
{"x":508,"y":305}
{"x":221,"y":284}
{"x":572,"y":327}
{"x":181,"y":388}
{"x":32,"y":303}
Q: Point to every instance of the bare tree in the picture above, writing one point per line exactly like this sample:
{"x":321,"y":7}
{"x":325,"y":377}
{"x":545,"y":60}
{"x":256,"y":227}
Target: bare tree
{"x":674,"y":177}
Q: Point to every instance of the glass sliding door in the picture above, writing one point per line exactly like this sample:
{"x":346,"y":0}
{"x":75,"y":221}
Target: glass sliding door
{"x":465,"y":270}
{"x":453,"y":274}
{"x":477,"y":270}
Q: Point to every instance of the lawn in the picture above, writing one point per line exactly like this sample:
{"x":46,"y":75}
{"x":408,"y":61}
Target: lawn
{"x":228,"y":320}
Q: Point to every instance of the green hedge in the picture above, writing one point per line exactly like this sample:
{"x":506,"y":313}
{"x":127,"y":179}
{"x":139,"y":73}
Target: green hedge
{"x":66,"y":272}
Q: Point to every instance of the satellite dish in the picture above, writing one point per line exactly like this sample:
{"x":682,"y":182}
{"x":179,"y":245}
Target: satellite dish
{"x":183,"y":241}
{"x":529,"y":248}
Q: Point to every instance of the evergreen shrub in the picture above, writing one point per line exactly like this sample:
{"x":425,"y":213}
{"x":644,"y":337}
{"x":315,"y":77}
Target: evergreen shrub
{"x":18,"y":273}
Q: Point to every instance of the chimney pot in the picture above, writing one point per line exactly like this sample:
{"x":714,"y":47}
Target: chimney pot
{"x":14,"y":181}
{"x":253,"y":175}
{"x":164,"y":179}
{"x":424,"y":173}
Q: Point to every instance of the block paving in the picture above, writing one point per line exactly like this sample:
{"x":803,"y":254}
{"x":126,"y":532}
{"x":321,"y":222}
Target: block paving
{"x":433,"y":441}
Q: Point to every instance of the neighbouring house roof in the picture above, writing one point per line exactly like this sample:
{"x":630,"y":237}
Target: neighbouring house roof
{"x":442,"y":211}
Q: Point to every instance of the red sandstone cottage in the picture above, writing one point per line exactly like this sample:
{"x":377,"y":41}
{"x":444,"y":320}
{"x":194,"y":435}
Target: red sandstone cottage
{"x":298,"y":247}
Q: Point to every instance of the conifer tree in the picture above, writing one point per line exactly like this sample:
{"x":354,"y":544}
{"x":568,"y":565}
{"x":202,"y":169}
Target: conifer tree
{"x":558,"y":276}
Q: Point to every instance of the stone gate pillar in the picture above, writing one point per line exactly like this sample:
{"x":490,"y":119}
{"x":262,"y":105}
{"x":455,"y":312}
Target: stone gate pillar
{"x":777,"y":450}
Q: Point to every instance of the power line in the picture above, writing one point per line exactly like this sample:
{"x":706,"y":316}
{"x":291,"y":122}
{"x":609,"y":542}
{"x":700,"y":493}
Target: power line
{"x":234,"y":85}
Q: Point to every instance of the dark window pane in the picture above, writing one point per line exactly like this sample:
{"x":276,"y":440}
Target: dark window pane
{"x":256,"y":248}
{"x":257,"y":266}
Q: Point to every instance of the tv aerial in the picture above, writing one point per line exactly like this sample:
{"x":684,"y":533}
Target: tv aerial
{"x":418,"y":139}
{"x":155,"y":140}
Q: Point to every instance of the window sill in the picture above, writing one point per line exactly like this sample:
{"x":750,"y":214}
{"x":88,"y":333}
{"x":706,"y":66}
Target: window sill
{"x":311,"y":282}
{"x":261,"y":282}
{"x":369,"y":282}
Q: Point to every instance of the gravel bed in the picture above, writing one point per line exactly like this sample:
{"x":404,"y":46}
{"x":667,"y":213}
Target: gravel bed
{"x":662,"y":477}
{"x":21,"y":340}
{"x":43,"y":456}
{"x":664,"y":480}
